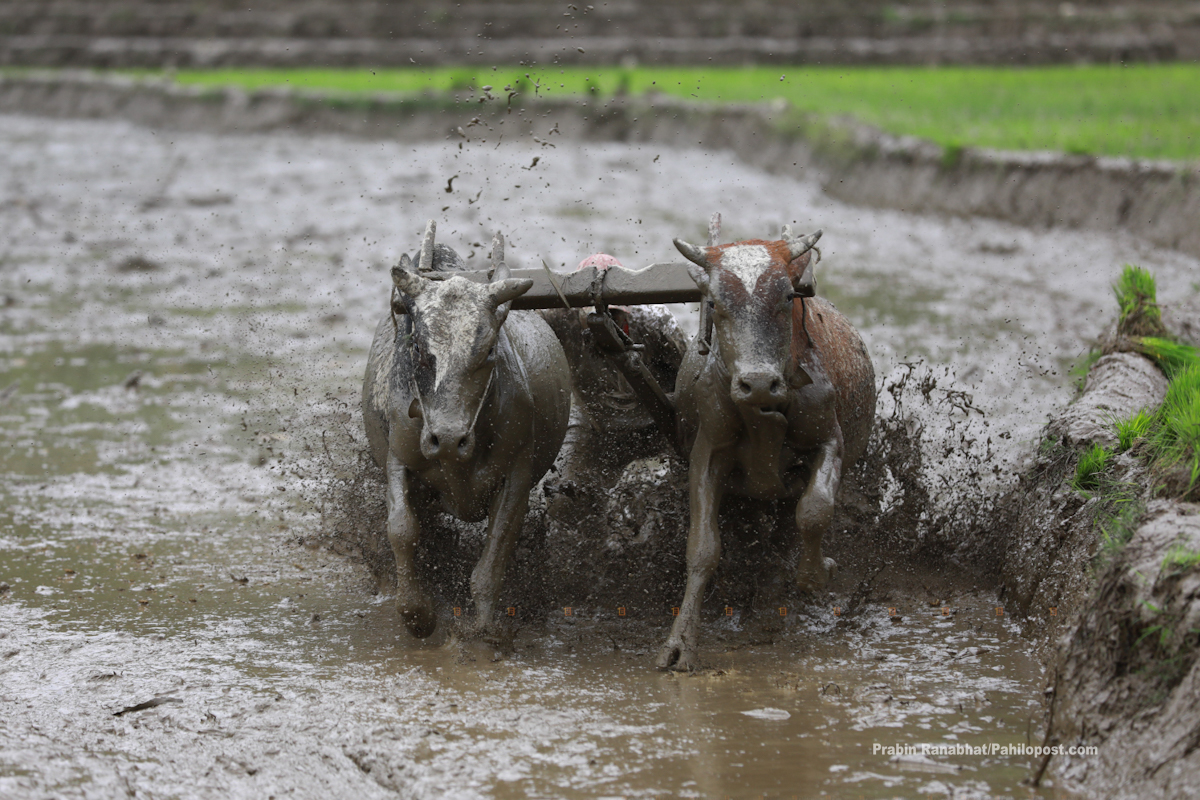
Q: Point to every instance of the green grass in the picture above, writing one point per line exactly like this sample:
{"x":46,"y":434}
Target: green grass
{"x":1089,"y":472}
{"x":1145,"y":110}
{"x":1138,"y":313}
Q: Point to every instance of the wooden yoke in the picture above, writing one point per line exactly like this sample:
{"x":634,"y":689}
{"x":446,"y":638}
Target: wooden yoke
{"x":667,"y":282}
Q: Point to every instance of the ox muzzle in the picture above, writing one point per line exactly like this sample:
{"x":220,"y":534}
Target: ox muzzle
{"x":763,"y":388}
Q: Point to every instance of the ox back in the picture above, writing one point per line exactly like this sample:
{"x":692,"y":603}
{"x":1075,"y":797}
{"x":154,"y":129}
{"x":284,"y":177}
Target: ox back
{"x":837,"y":352}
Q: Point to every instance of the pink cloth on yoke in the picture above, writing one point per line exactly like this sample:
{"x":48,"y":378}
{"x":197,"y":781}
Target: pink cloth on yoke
{"x":599,"y":260}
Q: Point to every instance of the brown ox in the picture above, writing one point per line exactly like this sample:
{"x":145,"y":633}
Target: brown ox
{"x":780,"y":404}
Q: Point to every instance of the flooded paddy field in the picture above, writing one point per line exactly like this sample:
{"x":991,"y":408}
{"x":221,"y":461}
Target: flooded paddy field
{"x":182,"y":315}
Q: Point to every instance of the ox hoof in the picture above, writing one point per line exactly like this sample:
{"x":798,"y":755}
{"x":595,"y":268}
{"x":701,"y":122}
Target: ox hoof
{"x":421,"y":621}
{"x":815,"y":580}
{"x":676,"y":655}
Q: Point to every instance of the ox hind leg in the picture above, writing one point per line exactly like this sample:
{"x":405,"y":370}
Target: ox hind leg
{"x":505,"y":518}
{"x":703,"y":556}
{"x":814,"y":515}
{"x":412,"y":601}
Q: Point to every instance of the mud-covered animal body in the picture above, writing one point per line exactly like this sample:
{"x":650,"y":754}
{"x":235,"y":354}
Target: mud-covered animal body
{"x":779,"y":406}
{"x":468,"y":399}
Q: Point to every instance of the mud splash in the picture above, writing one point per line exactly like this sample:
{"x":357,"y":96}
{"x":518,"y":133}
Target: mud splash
{"x":183,"y":325}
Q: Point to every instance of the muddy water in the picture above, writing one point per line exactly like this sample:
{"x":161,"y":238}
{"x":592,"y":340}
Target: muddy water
{"x":180,"y":314}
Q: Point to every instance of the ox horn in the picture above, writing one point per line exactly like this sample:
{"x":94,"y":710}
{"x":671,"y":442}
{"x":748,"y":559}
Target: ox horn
{"x":426,"y":264}
{"x":499,"y":267}
{"x":802,"y":245}
{"x":692,"y":253}
{"x":698,"y":257}
{"x":509,"y":289}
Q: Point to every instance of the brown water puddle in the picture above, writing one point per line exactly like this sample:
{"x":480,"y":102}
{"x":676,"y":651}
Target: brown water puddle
{"x":157,"y":539}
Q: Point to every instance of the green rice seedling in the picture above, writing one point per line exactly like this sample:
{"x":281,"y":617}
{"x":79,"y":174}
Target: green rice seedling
{"x":1161,"y":631}
{"x":1133,"y":429}
{"x":1171,"y":357}
{"x":1138,"y":312}
{"x":1180,"y":558}
{"x":1177,"y":437}
{"x":1118,"y":528}
{"x":1180,"y":411}
{"x":1051,"y":447}
{"x":1080,"y":371}
{"x":1090,"y":469}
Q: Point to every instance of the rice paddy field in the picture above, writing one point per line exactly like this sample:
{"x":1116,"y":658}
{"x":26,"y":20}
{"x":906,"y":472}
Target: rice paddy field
{"x":1141,"y":111}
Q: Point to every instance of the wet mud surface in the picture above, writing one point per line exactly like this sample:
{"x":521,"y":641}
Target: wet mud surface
{"x":184,"y":321}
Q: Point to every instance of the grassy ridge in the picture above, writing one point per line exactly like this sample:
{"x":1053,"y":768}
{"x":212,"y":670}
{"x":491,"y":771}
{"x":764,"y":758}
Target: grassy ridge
{"x":1170,"y":434}
{"x":1145,"y":110}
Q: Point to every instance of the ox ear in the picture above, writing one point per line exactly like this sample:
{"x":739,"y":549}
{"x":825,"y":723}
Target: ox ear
{"x":805,"y":285}
{"x":408,"y":283}
{"x":698,"y":268}
{"x":699,"y":276}
{"x":508,"y":290}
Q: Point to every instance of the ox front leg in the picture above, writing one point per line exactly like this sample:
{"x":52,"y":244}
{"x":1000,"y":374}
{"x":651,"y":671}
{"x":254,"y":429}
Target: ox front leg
{"x":814,"y":515}
{"x":505,"y":517}
{"x":703,"y":555}
{"x":412,"y":601}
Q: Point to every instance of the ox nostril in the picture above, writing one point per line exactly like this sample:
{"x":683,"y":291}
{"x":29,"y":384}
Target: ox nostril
{"x":744,"y":387}
{"x":433,"y":440}
{"x":776,"y":385}
{"x":464,"y":444}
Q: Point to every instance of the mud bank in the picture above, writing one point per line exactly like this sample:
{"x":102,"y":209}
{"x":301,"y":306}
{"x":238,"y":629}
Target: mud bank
{"x":1156,"y":201}
{"x":1117,"y":622}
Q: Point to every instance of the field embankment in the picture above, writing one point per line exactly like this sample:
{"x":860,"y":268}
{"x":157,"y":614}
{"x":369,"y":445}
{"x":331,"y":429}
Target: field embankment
{"x":138,"y":33}
{"x":1105,"y":531}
